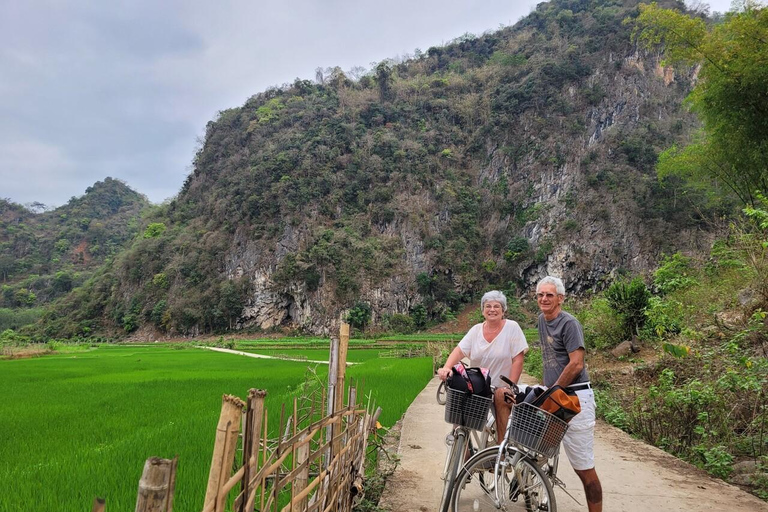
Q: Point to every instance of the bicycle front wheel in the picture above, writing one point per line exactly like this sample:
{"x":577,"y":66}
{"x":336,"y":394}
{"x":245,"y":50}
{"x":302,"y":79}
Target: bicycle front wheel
{"x":522,"y":486}
{"x":455,"y":457}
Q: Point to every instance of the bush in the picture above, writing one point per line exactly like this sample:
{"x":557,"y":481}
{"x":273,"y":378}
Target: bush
{"x":533,"y":364}
{"x":673,"y":273}
{"x":629,"y":300}
{"x":663,"y":318}
{"x":603,"y":327}
{"x":359,"y":316}
{"x":419,"y":315}
{"x":401,"y":324}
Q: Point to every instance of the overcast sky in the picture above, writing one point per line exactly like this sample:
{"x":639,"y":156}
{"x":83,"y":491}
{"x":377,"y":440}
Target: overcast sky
{"x":90,"y":88}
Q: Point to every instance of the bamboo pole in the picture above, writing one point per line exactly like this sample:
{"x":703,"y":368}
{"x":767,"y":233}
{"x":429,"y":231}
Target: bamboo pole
{"x":302,"y":454}
{"x":98,"y":505}
{"x":342,"y":369}
{"x":227,"y":432}
{"x":253,"y":418}
{"x":340,"y":377}
{"x":157,"y":484}
{"x":333,"y":367}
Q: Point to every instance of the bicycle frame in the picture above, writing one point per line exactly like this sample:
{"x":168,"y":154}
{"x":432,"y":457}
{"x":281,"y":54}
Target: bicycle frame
{"x":502,"y":459}
{"x":463,"y":439}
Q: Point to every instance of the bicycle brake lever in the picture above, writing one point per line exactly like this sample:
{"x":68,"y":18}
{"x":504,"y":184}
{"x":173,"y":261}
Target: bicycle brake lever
{"x":512,"y":385}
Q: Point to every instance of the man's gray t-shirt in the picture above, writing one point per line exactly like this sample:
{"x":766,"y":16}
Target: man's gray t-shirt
{"x":558,"y":338}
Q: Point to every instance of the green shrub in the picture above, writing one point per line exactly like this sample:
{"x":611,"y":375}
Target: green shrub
{"x":715,"y":460}
{"x":154,"y":230}
{"x":359,"y":316}
{"x":611,"y":410}
{"x":663,"y":318}
{"x":399,"y":323}
{"x":419,"y":315}
{"x":603,"y":327}
{"x":673,"y":273}
{"x":533,"y":365}
{"x":629,"y":300}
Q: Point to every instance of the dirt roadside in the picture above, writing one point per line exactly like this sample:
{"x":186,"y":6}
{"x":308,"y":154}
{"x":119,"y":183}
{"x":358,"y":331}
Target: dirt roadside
{"x":635,"y":477}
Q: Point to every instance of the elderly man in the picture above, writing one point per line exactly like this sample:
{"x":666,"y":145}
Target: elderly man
{"x":562,"y":350}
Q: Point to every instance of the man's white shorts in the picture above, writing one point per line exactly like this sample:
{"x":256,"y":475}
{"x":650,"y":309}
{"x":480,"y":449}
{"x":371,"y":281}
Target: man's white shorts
{"x":579,"y":440}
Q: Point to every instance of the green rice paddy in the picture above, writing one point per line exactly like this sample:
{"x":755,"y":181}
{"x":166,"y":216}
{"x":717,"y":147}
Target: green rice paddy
{"x":81,"y":424}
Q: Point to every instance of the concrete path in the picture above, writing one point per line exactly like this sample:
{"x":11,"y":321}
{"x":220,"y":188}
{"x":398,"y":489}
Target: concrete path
{"x":262,"y":356}
{"x":636,"y":477}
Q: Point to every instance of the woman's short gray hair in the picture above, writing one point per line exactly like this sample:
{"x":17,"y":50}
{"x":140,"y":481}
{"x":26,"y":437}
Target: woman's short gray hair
{"x":494,"y":295}
{"x":559,"y":286}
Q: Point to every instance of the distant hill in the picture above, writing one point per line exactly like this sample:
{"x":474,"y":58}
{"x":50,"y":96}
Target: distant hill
{"x":46,"y":255}
{"x":488,"y":162}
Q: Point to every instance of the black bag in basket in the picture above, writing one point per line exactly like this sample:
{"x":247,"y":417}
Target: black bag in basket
{"x":470,"y":379}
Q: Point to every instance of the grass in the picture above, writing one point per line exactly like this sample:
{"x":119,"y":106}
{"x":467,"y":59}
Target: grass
{"x":80,"y":425}
{"x":317,"y":354}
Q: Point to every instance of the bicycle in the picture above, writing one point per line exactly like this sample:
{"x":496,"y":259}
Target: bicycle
{"x":519,"y":474}
{"x":472,"y":427}
{"x":441,"y":393}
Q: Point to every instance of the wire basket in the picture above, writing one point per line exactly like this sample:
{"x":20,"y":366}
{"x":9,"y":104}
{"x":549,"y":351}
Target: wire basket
{"x":466,"y":409}
{"x":536,"y":429}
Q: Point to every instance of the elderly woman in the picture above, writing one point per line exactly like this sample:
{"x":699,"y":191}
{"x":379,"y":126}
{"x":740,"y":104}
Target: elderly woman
{"x":497,"y":344}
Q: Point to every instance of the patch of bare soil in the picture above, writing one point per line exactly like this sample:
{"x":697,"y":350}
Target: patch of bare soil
{"x":604,"y":367}
{"x":460,"y":324}
{"x":25,"y":352}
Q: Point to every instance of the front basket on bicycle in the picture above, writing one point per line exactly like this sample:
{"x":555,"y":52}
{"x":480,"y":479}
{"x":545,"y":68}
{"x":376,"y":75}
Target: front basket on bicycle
{"x":466,"y":409}
{"x":536,"y":429}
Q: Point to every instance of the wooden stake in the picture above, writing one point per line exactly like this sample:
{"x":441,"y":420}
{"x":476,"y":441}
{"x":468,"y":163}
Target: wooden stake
{"x":333,"y":367}
{"x":302,"y":454}
{"x":339,"y":391}
{"x":227,"y":432}
{"x":98,"y":505}
{"x":156,"y":486}
{"x":251,"y":441}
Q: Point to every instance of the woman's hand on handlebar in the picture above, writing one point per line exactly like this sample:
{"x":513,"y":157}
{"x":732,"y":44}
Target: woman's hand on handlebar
{"x":512,"y":385}
{"x":443,"y":373}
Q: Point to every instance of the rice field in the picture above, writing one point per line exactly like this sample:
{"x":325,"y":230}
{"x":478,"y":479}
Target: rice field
{"x":81,"y":424}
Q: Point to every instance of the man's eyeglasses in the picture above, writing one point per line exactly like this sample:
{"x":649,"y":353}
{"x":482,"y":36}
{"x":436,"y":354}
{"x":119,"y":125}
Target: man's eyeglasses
{"x":541,"y":295}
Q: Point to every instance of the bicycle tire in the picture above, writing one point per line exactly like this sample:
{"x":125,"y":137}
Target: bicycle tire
{"x":441,"y":393}
{"x":454,"y":462}
{"x":525,"y":488}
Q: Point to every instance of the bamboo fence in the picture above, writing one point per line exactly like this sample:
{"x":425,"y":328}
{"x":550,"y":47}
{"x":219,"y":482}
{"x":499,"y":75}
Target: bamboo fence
{"x":315,"y":465}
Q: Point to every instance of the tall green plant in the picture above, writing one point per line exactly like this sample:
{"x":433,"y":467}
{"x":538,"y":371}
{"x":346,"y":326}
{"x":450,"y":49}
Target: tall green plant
{"x":629,"y":299}
{"x":729,"y":96}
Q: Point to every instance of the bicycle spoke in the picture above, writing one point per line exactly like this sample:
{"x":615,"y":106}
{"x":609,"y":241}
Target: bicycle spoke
{"x":520,"y":488}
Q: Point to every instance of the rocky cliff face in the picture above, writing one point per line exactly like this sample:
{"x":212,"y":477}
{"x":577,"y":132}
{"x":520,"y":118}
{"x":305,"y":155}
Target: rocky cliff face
{"x":593,"y":231}
{"x":489,"y":162}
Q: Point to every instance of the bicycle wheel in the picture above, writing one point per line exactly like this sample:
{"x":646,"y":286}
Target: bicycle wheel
{"x":441,"y":393}
{"x":521,"y":488}
{"x":455,"y":458}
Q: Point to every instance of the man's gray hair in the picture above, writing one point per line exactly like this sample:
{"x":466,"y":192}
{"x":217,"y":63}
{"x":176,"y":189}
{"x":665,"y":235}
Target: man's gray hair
{"x":559,"y":286}
{"x":494,"y":295}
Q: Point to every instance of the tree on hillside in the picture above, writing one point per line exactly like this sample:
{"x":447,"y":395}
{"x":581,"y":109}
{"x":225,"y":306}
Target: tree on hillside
{"x":730,"y":96}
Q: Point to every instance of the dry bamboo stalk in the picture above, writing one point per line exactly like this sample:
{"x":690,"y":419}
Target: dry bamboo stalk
{"x":98,"y":505}
{"x":333,"y":369}
{"x":293,"y":445}
{"x":264,"y":451}
{"x":300,"y":483}
{"x":223,"y":451}
{"x":156,"y":486}
{"x":252,"y":432}
{"x":375,"y":418}
{"x":340,"y":376}
{"x":342,"y":370}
